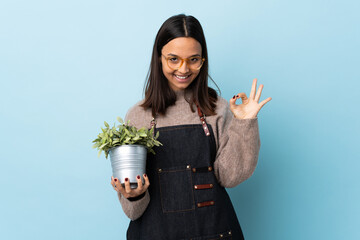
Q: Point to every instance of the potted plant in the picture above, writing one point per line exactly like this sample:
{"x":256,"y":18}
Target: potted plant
{"x":128,"y":148}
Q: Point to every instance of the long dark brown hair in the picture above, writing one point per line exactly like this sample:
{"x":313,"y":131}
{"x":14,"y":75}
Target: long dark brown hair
{"x":158,"y":94}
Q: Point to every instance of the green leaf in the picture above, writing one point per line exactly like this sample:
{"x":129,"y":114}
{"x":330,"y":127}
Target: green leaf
{"x":103,"y":145}
{"x":142,"y":134}
{"x":120,"y":120}
{"x":125,"y":134}
{"x":137,"y":137}
{"x":126,"y":131}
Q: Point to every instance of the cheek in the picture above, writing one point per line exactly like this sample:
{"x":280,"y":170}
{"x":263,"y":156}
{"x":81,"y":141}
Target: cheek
{"x":165,"y":69}
{"x":196,"y":74}
{"x":167,"y":73}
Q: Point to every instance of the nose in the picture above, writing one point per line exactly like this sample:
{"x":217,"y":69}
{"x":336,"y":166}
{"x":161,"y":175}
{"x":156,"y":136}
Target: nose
{"x":184,"y":68}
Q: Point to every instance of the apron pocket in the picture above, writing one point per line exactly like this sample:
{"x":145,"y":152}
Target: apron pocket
{"x":176,"y":189}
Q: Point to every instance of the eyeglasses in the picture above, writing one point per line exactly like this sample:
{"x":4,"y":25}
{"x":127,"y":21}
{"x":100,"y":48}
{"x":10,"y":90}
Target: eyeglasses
{"x":175,"y":62}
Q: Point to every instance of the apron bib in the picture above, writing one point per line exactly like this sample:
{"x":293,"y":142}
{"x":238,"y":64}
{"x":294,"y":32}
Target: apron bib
{"x":186,"y":200}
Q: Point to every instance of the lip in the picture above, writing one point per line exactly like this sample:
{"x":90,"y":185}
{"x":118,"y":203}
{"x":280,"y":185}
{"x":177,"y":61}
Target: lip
{"x":183,"y":80}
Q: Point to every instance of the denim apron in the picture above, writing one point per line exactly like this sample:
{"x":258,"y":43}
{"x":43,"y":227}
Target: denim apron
{"x":186,"y":200}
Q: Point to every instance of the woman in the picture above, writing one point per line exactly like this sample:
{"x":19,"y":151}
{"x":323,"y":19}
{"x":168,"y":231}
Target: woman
{"x":208,"y":144}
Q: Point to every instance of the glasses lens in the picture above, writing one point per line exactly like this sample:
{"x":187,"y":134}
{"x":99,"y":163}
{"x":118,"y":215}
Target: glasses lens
{"x":192,"y":63}
{"x":195,"y":62}
{"x":174,"y":62}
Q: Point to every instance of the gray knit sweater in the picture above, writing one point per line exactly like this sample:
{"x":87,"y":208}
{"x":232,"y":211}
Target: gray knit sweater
{"x":237,"y":143}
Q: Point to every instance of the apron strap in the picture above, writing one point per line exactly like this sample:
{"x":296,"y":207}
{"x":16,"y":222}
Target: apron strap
{"x":203,"y":121}
{"x":153,"y":123}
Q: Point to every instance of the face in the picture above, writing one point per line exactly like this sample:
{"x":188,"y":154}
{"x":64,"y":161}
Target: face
{"x":182,"y":47}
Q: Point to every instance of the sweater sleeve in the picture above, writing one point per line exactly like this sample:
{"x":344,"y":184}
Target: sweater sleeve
{"x":134,"y":209}
{"x":238,"y":148}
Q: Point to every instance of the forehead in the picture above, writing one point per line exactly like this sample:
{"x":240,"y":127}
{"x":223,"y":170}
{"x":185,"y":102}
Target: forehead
{"x":183,"y":47}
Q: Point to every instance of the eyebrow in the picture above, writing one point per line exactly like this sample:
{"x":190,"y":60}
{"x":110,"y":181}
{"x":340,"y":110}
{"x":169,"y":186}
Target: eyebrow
{"x":195,"y":55}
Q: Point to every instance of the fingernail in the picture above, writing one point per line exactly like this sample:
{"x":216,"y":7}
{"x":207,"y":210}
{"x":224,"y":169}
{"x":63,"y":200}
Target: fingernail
{"x":145,"y":175}
{"x":234,"y":97}
{"x":138,"y":177}
{"x":126,"y":179}
{"x":237,"y":95}
{"x":115,"y":179}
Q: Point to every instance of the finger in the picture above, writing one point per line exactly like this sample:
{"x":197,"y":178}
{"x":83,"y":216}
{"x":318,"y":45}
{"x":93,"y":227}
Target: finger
{"x":123,"y":192}
{"x":232,"y":102}
{"x":112,"y":181}
{"x":120,"y":188}
{"x":258,"y":94}
{"x":253,"y":89}
{"x":243,"y":97}
{"x":235,"y":97}
{"x":127,"y":185}
{"x":264,"y":102}
{"x":139,"y":182}
{"x":116,"y":184}
{"x":147,"y":182}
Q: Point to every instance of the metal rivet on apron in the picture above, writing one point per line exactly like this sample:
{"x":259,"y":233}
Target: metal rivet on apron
{"x":230,"y":233}
{"x":160,"y":170}
{"x":211,"y":185}
{"x":221,"y":235}
{"x":195,"y":187}
{"x":212,"y":203}
{"x":188,"y":166}
{"x":209,"y":168}
{"x":199,"y":205}
{"x":207,"y":134}
{"x":194,"y":169}
{"x":203,"y":122}
{"x":205,"y":127}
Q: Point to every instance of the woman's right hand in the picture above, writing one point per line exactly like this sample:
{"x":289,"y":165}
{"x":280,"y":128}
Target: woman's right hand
{"x":126,"y":191}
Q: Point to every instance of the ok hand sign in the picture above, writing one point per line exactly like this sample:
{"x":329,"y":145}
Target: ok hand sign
{"x":250,"y":106}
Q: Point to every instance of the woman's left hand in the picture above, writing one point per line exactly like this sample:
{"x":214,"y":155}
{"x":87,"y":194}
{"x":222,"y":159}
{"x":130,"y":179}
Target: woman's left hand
{"x":250,"y":106}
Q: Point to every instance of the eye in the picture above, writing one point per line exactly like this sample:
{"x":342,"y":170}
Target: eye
{"x":194,"y":60}
{"x":173,"y":59}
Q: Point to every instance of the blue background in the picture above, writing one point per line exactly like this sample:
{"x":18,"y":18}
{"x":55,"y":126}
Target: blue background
{"x":66,"y":66}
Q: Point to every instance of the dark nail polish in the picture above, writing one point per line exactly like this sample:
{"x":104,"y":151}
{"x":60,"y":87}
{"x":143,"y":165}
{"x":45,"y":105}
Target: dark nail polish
{"x":145,"y":175}
{"x":115,"y":179}
{"x":126,"y":179}
{"x":138,"y":177}
{"x":234,"y":97}
{"x":237,"y":95}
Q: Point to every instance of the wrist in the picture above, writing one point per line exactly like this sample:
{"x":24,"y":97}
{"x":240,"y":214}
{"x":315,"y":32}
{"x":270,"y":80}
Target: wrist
{"x":132,"y":199}
{"x":245,"y":117}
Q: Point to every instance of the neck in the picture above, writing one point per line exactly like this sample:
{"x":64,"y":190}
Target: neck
{"x":180,"y":92}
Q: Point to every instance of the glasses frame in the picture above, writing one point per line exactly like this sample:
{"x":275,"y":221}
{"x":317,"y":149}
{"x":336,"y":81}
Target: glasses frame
{"x":182,"y":62}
